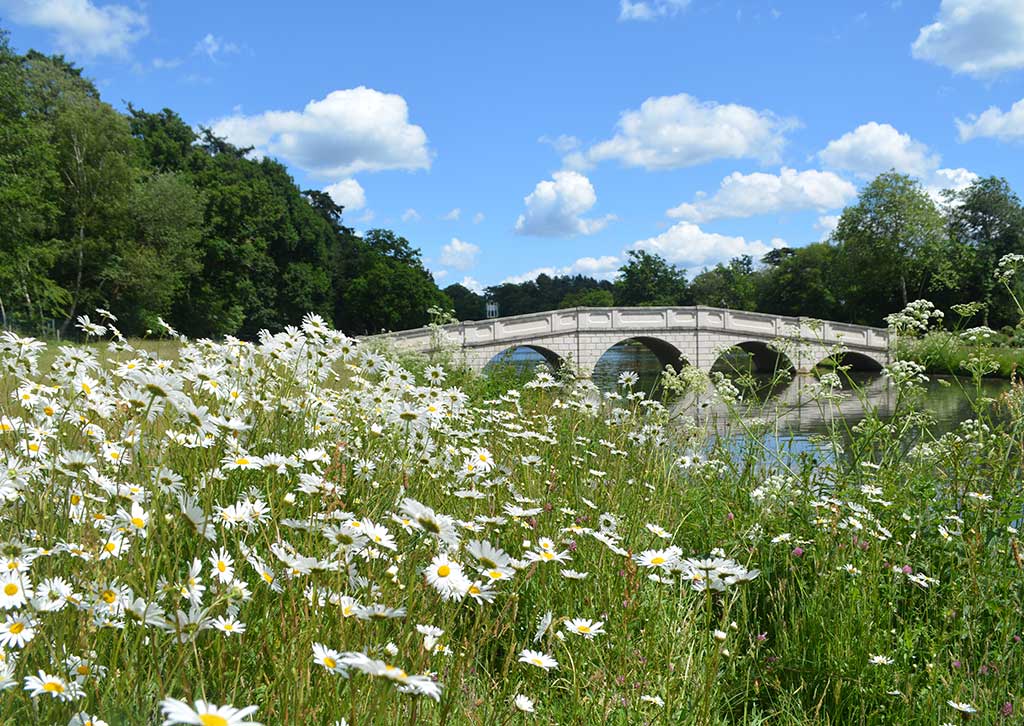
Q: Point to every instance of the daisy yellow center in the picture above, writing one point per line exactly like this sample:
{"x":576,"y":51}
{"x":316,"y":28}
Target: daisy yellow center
{"x":10,"y":589}
{"x":657,"y":560}
{"x":48,"y":410}
{"x":537,"y":661}
{"x":86,"y":388}
{"x":444,"y":571}
{"x":212,"y":719}
{"x":267,"y":576}
{"x":16,"y":628}
{"x":242,"y":462}
{"x":33,"y":447}
{"x":138,"y":522}
{"x":110,"y":546}
{"x":53,"y":687}
{"x":83,"y":670}
{"x":474,"y":590}
{"x":583,"y":628}
{"x":221,"y":566}
{"x":547,"y":555}
{"x":496,"y":574}
{"x":108,"y":596}
{"x":75,"y":499}
{"x":115,"y":455}
{"x":330,"y":662}
{"x":228,"y":626}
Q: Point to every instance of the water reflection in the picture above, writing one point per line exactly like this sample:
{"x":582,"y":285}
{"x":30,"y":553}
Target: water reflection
{"x":797,"y":412}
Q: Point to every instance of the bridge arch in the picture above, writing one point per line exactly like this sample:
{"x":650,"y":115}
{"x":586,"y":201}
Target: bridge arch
{"x":666,"y":353}
{"x":549,"y":356}
{"x":756,"y":355}
{"x":859,"y":362}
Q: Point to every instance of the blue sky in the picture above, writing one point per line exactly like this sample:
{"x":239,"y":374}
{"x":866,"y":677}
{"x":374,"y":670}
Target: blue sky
{"x":503,"y":139}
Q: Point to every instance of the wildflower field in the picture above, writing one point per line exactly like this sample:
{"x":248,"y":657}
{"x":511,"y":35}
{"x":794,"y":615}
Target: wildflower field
{"x":300,"y":531}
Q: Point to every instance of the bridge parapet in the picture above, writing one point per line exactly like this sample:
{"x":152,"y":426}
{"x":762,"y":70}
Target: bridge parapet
{"x":698,"y":333}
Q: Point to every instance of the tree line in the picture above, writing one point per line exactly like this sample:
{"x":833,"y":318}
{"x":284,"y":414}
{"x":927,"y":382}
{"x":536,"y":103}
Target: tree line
{"x":141,"y":215}
{"x":895,"y":244}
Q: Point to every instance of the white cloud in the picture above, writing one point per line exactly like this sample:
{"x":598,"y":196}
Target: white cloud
{"x":942,"y":179}
{"x":348,"y":193}
{"x":672,"y":132}
{"x":453,"y":215}
{"x":439,"y":274}
{"x":555,"y":208}
{"x":605,"y":267}
{"x":745,"y":195}
{"x":213,"y":45}
{"x":458,"y":254}
{"x":473,"y":284}
{"x":166,"y":63}
{"x":650,"y":9}
{"x":347,"y":131}
{"x":561,"y":143}
{"x":978,"y":37}
{"x":995,"y":124}
{"x":827,"y":224}
{"x":687,"y":244}
{"x":873,"y":148}
{"x":80,"y":26}
{"x":410,"y":215}
{"x":366,"y":217}
{"x":478,"y":218}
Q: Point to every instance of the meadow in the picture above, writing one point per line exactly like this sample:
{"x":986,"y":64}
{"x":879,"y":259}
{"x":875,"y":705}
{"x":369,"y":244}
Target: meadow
{"x":301,"y":530}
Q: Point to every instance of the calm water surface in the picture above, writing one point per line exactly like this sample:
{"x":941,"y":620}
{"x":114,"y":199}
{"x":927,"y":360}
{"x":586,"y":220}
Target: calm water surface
{"x":798,"y":416}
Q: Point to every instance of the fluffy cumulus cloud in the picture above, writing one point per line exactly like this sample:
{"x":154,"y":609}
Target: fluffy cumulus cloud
{"x":686,"y":244}
{"x":604,"y":267}
{"x":873,"y":148}
{"x":453,"y":215}
{"x":81,"y":27}
{"x":948,"y":179}
{"x":410,"y":215}
{"x":458,"y":254}
{"x":995,"y":123}
{"x":978,"y":37}
{"x":650,"y":9}
{"x":827,"y":224}
{"x":745,"y":195}
{"x":347,"y":131}
{"x":348,"y":193}
{"x":556,"y":206}
{"x":672,"y":132}
{"x":471,"y":283}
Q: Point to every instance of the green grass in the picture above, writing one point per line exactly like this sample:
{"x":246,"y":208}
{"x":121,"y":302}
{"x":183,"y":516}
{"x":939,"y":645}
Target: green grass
{"x":798,"y":638}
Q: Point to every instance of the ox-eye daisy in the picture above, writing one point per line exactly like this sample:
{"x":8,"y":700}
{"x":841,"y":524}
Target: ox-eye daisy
{"x":205,"y":714}
{"x":538,"y":658}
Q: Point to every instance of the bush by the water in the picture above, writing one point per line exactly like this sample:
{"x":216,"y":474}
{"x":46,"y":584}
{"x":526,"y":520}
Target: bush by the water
{"x":300,"y":531}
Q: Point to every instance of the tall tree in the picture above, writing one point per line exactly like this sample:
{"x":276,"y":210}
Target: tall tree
{"x":986,"y":221}
{"x":895,"y":231}
{"x":648,"y":279}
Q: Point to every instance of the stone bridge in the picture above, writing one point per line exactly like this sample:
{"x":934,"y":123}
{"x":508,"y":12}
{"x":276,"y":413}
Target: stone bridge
{"x":678,"y":336}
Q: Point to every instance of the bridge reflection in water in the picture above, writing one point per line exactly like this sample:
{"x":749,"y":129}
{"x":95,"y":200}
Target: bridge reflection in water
{"x":792,"y":404}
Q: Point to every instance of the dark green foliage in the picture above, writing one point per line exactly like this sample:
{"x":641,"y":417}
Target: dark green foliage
{"x":139,"y":214}
{"x":648,"y":279}
{"x":467,"y":304}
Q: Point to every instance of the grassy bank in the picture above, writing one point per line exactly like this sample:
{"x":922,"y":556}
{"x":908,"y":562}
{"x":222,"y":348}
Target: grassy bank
{"x":332,"y":537}
{"x":947,"y":353}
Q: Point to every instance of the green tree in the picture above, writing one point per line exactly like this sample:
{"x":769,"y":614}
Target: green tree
{"x":648,"y":279}
{"x":800,"y":282}
{"x":729,"y":286}
{"x":467,"y":304}
{"x":388,"y":287}
{"x":28,"y":192}
{"x":986,"y":221}
{"x":892,"y":248}
{"x":95,"y":159}
{"x":150,"y":266}
{"x":592,"y":298}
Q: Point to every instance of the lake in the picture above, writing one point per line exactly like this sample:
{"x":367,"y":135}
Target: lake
{"x":791,"y":404}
